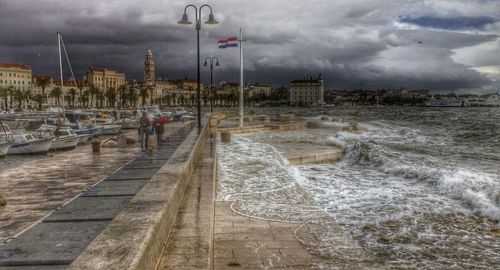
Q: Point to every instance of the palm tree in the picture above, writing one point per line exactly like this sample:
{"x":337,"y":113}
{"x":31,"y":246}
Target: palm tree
{"x":43,"y":82}
{"x":27,"y":97}
{"x":4,"y":94}
{"x":132,"y":95}
{"x":93,"y":92}
{"x":38,"y":98}
{"x":80,"y":88}
{"x":11,"y":95}
{"x":84,"y":98}
{"x":18,"y":96}
{"x":111,"y":97}
{"x":56,"y":93}
{"x":143,"y":93}
{"x":123,"y":96}
{"x":174,"y":100}
{"x":72,"y":95}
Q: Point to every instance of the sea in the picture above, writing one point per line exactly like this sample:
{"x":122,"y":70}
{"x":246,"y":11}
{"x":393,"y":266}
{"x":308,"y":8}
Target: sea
{"x":416,"y":188}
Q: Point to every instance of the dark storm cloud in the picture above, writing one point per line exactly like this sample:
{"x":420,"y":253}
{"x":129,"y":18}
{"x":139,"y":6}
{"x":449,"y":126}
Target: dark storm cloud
{"x":381,"y":43}
{"x":456,"y":23}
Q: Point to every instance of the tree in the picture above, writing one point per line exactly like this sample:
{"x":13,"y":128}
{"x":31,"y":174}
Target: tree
{"x":85,"y":98}
{"x":93,"y":92}
{"x":11,"y":95}
{"x":123,"y":96}
{"x":38,"y":98}
{"x":174,"y":99}
{"x":4,"y":94}
{"x":110,"y":97}
{"x":43,"y":82}
{"x":56,"y":93}
{"x":143,"y":93}
{"x":27,"y":97}
{"x":80,"y":89}
{"x":19,"y":98}
{"x":132,"y":95}
{"x":72,"y":96}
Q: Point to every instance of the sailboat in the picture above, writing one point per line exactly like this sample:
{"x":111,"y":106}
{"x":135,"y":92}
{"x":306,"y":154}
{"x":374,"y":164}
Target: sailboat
{"x":64,"y":138}
{"x":5,"y":139}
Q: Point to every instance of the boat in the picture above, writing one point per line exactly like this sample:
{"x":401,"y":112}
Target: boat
{"x":445,"y":102}
{"x":5,"y":139}
{"x":27,"y":143}
{"x":493,"y":101}
{"x":64,"y":137}
{"x":107,"y":124}
{"x":4,"y":148}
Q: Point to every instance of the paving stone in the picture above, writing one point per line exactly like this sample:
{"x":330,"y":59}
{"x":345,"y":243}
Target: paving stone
{"x":90,"y":209}
{"x":145,"y":164}
{"x":134,"y":174}
{"x":50,"y":243}
{"x":115,"y":188}
{"x":35,"y":267}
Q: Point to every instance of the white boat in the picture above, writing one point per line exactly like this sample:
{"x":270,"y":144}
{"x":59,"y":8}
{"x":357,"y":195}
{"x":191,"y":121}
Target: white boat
{"x":108,"y":126}
{"x":6,"y":139}
{"x":445,"y":102}
{"x":65,"y":139}
{"x":4,"y":148}
{"x":493,"y":101}
{"x":27,"y":143}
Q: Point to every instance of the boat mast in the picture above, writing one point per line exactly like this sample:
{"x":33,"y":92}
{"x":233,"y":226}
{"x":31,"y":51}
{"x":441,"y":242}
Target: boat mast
{"x":61,"y":72}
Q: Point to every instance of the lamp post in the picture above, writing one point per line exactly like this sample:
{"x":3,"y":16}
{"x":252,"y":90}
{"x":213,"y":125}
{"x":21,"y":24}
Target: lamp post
{"x":185,"y":20}
{"x":211,"y":77}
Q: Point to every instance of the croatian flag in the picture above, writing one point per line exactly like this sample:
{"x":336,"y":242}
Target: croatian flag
{"x":230,"y":42}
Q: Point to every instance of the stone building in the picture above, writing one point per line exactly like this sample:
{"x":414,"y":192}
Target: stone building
{"x":264,"y":90}
{"x":307,"y":92}
{"x":103,"y":78}
{"x":14,"y":77}
{"x":149,"y":69}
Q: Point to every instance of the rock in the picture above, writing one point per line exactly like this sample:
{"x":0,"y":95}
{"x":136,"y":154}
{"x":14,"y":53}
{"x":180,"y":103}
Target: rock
{"x":324,"y":118}
{"x":3,"y":202}
{"x":110,"y":143}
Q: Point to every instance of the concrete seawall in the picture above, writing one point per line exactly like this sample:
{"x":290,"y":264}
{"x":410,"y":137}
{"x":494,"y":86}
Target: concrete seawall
{"x":137,"y":235}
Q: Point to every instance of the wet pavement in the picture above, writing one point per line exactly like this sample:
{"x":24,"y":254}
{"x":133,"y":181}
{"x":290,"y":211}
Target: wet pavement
{"x":35,"y":186}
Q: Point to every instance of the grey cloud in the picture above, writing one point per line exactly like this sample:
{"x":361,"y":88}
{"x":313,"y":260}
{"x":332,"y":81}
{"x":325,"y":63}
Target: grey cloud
{"x":348,"y":41}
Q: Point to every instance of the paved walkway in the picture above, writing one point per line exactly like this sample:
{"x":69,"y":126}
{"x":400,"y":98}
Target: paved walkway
{"x":56,"y":241}
{"x":234,"y":241}
{"x":189,"y":244}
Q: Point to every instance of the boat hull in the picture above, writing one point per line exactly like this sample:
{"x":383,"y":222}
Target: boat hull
{"x":111,"y":130}
{"x":83,"y":138}
{"x":64,"y":143}
{"x":34,"y":147}
{"x":4,"y":148}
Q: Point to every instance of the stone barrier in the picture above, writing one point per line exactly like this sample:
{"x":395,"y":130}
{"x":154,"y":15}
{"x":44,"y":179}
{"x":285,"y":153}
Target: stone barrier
{"x":2,"y":201}
{"x":137,"y":235}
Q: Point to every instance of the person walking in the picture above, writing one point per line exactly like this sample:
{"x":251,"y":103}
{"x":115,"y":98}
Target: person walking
{"x":144,"y":125}
{"x":159,"y":130}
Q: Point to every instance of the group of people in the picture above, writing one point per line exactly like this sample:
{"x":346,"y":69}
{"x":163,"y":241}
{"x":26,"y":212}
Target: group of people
{"x":147,"y":127}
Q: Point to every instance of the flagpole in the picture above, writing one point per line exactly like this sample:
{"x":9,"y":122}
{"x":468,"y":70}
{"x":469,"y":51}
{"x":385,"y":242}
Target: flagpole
{"x":241,"y":78}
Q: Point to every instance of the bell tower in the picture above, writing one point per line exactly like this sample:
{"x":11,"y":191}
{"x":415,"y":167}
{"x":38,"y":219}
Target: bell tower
{"x":149,"y":68}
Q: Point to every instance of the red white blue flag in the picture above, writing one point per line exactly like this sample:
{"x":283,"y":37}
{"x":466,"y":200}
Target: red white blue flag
{"x":230,"y":42}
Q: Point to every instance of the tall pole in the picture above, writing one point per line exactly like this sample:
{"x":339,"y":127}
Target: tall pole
{"x":211,"y":85}
{"x":198,"y":98}
{"x":241,"y":77}
{"x":60,"y":69}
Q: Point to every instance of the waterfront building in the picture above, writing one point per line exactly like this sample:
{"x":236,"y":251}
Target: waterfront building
{"x":14,"y":78}
{"x":104,"y":78}
{"x":261,"y":90}
{"x":307,"y":92}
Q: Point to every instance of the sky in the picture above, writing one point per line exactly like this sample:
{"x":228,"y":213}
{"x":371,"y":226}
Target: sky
{"x":442,"y":46}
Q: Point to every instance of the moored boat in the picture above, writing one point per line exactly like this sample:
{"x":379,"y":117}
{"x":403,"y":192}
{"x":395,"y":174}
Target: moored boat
{"x":27,"y":143}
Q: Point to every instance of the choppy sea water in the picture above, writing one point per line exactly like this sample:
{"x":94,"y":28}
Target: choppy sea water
{"x":417,"y":187}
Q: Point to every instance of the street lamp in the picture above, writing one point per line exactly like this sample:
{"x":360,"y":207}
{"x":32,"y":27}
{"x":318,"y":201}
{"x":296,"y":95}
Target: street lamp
{"x":186,"y":21}
{"x":211,"y":77}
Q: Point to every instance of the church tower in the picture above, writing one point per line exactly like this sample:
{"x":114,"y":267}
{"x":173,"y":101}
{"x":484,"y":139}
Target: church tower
{"x":149,"y":68}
